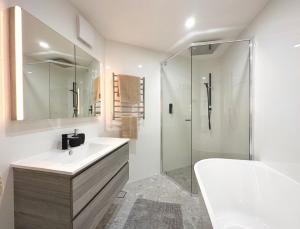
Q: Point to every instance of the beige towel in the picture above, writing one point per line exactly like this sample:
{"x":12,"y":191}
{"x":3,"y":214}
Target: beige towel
{"x":129,"y":127}
{"x":96,"y":90}
{"x":129,"y":89}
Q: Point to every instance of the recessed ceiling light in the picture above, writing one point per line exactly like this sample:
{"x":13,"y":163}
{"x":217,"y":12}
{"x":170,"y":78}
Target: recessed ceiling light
{"x":44,"y":45}
{"x":297,"y":46}
{"x":140,"y":66}
{"x":190,"y":23}
{"x":204,"y":78}
{"x":29,"y":72}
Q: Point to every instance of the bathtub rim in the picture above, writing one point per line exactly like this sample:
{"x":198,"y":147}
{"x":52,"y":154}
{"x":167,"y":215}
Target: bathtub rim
{"x":248,"y":162}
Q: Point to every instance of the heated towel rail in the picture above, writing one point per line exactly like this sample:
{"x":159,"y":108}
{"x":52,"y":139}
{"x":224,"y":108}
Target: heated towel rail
{"x":122,"y":109}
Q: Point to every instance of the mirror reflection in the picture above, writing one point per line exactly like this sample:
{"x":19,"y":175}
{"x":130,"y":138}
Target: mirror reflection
{"x":88,"y":84}
{"x":60,"y":80}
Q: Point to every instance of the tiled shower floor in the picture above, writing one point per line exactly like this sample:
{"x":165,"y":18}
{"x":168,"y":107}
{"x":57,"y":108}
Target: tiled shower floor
{"x":182,"y":177}
{"x":163,"y":189}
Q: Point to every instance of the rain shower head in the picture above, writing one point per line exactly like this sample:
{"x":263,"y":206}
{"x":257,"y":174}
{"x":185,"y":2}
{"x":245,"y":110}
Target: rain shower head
{"x":204,"y":49}
{"x":61,"y":62}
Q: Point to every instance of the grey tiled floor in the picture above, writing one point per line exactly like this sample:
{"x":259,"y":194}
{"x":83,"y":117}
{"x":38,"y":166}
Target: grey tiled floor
{"x":158,"y":188}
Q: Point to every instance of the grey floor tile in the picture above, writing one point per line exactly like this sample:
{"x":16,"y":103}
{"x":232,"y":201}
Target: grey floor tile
{"x":158,"y":188}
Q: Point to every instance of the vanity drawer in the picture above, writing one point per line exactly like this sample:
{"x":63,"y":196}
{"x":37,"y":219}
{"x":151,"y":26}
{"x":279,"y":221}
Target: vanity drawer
{"x":91,"y":216}
{"x":88,"y":183}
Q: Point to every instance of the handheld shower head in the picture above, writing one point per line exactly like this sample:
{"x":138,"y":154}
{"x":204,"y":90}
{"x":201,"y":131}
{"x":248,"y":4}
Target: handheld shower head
{"x":209,"y":107}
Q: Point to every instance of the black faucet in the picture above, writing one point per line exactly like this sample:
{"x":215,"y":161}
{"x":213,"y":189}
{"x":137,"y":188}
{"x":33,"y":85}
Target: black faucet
{"x":73,"y":140}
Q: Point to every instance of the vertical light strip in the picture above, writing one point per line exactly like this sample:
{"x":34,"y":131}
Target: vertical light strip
{"x":19,"y":63}
{"x":3,"y":68}
{"x":78,"y":100}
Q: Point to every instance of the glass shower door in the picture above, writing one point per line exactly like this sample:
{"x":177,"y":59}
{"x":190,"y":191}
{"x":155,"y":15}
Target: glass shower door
{"x":221,"y":102}
{"x":36,"y":89}
{"x":176,"y":119}
{"x":61,"y":95}
{"x":205,"y":108}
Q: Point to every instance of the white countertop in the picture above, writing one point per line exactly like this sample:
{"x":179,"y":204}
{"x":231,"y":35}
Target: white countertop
{"x":61,"y":161}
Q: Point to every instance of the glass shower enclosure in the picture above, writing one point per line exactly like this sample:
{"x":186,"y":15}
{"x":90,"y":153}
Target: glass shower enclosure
{"x":206,"y":107}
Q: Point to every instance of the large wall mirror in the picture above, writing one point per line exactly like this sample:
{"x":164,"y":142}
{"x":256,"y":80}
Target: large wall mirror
{"x":51,"y":77}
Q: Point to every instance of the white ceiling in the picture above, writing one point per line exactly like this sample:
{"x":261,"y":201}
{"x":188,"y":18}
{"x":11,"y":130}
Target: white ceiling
{"x":159,"y":24}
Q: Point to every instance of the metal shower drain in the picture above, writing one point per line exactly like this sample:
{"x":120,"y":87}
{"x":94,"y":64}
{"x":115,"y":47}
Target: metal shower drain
{"x":121,"y":194}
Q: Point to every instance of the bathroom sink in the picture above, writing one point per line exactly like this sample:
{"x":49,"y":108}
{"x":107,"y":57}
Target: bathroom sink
{"x":74,"y":159}
{"x":95,"y":147}
{"x":80,"y":153}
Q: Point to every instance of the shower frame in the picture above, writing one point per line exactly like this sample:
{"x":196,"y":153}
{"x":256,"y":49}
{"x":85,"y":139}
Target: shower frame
{"x":251,"y":88}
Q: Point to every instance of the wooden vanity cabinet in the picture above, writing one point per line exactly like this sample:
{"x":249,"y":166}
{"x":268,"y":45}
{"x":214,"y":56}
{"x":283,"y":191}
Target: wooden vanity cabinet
{"x":49,"y":200}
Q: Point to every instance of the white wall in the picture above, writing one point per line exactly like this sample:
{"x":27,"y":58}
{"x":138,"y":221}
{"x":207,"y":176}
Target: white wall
{"x":276,"y":86}
{"x":22,"y":139}
{"x":124,"y":59}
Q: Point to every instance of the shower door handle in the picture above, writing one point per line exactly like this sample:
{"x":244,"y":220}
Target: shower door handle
{"x":188,"y":120}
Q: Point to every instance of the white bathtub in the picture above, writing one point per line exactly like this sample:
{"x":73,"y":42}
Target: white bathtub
{"x":248,"y":194}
